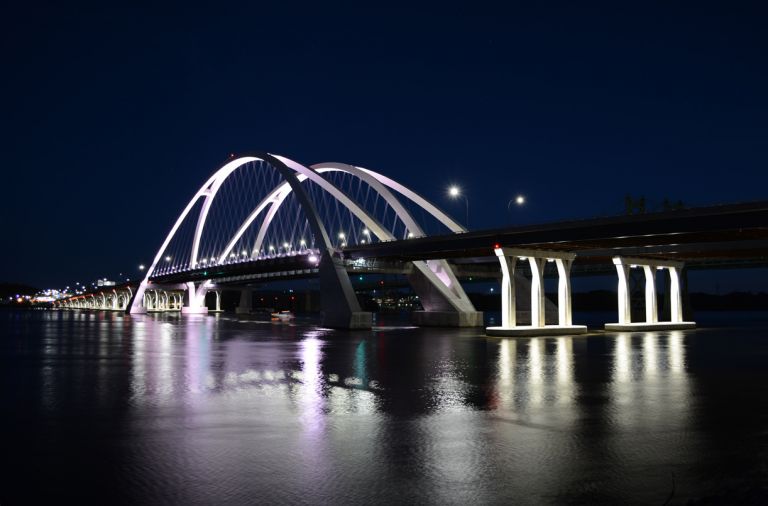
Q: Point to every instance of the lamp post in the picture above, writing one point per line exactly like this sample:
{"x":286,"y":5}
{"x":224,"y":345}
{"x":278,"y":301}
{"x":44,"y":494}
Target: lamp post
{"x":455,"y":192}
{"x":519,"y":201}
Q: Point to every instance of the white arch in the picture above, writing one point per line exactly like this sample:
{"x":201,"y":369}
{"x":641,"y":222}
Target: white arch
{"x":411,"y":195}
{"x":298,"y":173}
{"x":278,"y":196}
{"x":373,"y":179}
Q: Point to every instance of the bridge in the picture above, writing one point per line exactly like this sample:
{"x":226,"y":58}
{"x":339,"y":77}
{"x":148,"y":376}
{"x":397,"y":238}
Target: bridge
{"x":265,"y":217}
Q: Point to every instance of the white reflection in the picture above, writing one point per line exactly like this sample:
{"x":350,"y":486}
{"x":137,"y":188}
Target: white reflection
{"x":505,"y":389}
{"x":164,"y":377}
{"x":311,"y":399}
{"x":507,"y":354}
{"x":622,"y":350}
{"x":675,"y":350}
{"x":198,"y":374}
{"x":650,"y":354}
{"x":138,"y":360}
{"x":564,"y":360}
{"x":650,"y":388}
{"x":535,"y":370}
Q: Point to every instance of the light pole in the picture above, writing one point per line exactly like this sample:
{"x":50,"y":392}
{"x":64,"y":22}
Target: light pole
{"x":519,"y":201}
{"x":455,"y":192}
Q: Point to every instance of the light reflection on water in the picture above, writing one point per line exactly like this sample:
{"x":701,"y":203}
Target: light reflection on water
{"x":209,"y":409}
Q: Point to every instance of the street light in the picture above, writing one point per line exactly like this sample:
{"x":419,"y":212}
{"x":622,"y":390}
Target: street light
{"x":141,"y":267}
{"x":519,"y":201}
{"x":455,"y":192}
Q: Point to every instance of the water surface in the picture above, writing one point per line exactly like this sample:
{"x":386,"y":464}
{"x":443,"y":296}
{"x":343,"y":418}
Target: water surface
{"x":107,"y":408}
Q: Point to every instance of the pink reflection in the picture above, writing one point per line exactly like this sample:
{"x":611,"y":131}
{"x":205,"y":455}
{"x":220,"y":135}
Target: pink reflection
{"x":311,"y":398}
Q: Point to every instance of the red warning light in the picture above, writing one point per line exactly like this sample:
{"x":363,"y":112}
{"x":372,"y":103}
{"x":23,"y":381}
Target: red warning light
{"x":496,"y":246}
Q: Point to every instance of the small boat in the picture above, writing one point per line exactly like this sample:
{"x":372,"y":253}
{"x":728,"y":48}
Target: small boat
{"x":283,"y":316}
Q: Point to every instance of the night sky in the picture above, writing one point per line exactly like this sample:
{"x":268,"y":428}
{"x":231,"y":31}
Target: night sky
{"x":112,"y":117}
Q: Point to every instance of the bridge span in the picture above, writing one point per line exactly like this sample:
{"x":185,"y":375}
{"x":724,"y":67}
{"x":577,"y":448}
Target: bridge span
{"x":265,"y":217}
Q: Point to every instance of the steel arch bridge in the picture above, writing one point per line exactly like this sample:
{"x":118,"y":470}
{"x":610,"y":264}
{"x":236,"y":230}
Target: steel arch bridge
{"x":262,"y":206}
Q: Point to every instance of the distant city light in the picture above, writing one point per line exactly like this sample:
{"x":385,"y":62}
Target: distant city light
{"x":141,"y":267}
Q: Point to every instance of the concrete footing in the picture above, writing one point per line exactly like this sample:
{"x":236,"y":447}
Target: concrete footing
{"x":194,"y":310}
{"x":448,"y":318}
{"x":532,"y":330}
{"x":640,"y":326}
{"x":243,"y":310}
{"x":357,"y":320}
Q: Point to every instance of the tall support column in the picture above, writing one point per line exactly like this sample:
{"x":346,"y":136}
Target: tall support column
{"x":538,"y":299}
{"x":675,"y":301}
{"x":218,"y":300}
{"x":246,"y":301}
{"x":651,"y":305}
{"x":508,"y":303}
{"x":339,"y":302}
{"x":564,"y":308}
{"x":625,"y":309}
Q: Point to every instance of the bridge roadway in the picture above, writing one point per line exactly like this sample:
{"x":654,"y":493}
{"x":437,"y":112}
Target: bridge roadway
{"x":709,"y":237}
{"x":723,"y":236}
{"x":714,"y":236}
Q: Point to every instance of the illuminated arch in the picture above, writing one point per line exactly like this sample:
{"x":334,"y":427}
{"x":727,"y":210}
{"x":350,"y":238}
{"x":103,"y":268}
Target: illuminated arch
{"x":293,"y":174}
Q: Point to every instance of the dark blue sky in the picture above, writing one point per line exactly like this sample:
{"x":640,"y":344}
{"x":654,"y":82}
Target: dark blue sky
{"x":112,"y":117}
